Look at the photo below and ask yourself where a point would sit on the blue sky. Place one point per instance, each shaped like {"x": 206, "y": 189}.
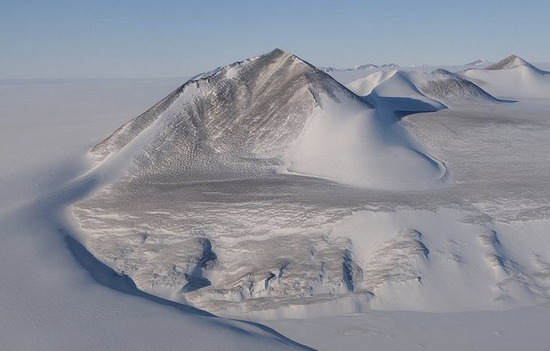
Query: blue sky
{"x": 146, "y": 38}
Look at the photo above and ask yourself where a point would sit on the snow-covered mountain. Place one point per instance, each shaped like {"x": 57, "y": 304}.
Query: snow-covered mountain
{"x": 346, "y": 75}
{"x": 363, "y": 67}
{"x": 272, "y": 113}
{"x": 513, "y": 78}
{"x": 477, "y": 62}
{"x": 510, "y": 62}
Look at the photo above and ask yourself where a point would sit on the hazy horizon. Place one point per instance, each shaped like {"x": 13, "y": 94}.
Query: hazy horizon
{"x": 140, "y": 39}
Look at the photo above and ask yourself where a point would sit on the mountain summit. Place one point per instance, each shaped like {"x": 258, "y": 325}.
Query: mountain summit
{"x": 509, "y": 62}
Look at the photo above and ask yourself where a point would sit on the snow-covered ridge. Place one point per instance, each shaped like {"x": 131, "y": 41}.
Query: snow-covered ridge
{"x": 477, "y": 62}
{"x": 363, "y": 67}
{"x": 418, "y": 91}
{"x": 450, "y": 87}
{"x": 509, "y": 62}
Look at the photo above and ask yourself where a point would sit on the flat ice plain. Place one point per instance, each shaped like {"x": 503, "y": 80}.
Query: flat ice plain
{"x": 459, "y": 262}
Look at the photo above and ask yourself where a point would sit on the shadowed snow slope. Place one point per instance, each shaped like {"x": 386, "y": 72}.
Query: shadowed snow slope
{"x": 513, "y": 78}
{"x": 271, "y": 113}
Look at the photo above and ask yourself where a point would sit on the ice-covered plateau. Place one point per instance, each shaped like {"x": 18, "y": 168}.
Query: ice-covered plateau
{"x": 268, "y": 187}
